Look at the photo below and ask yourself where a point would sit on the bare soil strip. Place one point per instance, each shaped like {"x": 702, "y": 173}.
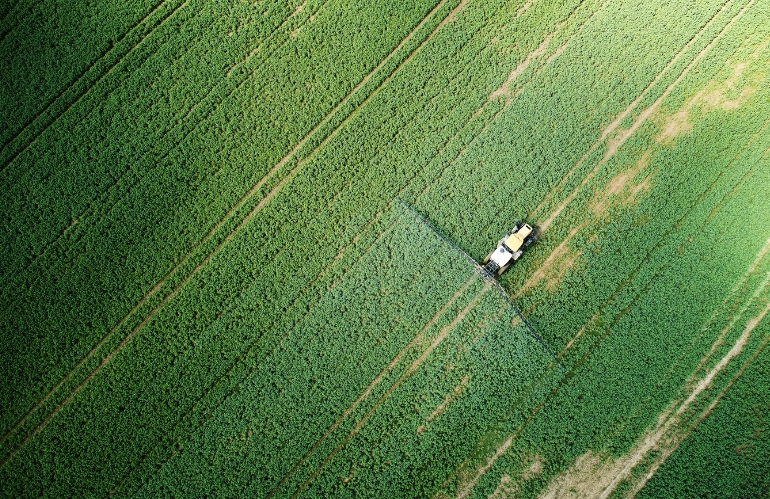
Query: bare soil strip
{"x": 412, "y": 368}
{"x": 613, "y": 126}
{"x": 456, "y": 392}
{"x": 597, "y": 475}
{"x": 504, "y": 91}
{"x": 722, "y": 306}
{"x": 589, "y": 461}
{"x": 622, "y": 136}
{"x": 665, "y": 437}
{"x": 85, "y": 91}
{"x": 466, "y": 489}
{"x": 674, "y": 443}
{"x": 240, "y": 203}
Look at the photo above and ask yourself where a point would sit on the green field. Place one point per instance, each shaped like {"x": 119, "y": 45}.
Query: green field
{"x": 212, "y": 284}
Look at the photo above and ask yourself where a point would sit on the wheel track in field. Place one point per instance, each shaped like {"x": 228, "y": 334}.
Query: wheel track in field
{"x": 157, "y": 286}
{"x": 504, "y": 91}
{"x": 738, "y": 285}
{"x": 613, "y": 126}
{"x": 537, "y": 276}
{"x": 536, "y": 410}
{"x": 625, "y": 134}
{"x": 91, "y": 210}
{"x": 621, "y": 286}
{"x": 447, "y": 142}
{"x": 658, "y": 462}
{"x": 668, "y": 232}
{"x": 244, "y": 355}
{"x": 232, "y": 210}
{"x": 79, "y": 94}
{"x": 603, "y": 481}
{"x": 673, "y": 416}
{"x": 301, "y": 162}
{"x": 413, "y": 367}
{"x": 732, "y": 320}
{"x": 393, "y": 363}
{"x": 253, "y": 52}
{"x": 377, "y": 380}
{"x": 211, "y": 232}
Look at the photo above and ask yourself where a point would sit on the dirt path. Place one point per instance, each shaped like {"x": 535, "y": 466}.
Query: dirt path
{"x": 614, "y": 125}
{"x": 597, "y": 475}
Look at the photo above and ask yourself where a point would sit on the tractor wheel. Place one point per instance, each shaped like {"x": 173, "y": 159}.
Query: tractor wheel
{"x": 489, "y": 256}
{"x": 503, "y": 268}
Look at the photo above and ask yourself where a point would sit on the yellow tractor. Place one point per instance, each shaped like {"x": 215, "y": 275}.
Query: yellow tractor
{"x": 509, "y": 249}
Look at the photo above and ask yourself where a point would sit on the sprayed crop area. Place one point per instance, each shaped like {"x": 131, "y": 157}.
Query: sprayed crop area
{"x": 216, "y": 280}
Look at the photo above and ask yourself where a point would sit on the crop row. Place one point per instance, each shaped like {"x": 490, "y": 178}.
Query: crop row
{"x": 605, "y": 402}
{"x": 170, "y": 222}
{"x": 260, "y": 284}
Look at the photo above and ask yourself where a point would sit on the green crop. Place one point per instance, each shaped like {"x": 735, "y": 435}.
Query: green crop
{"x": 209, "y": 285}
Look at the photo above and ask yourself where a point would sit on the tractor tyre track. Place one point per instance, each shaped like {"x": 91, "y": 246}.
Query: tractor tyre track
{"x": 243, "y": 356}
{"x": 393, "y": 363}
{"x": 621, "y": 286}
{"x": 409, "y": 371}
{"x": 505, "y": 94}
{"x": 230, "y": 212}
{"x": 624, "y": 135}
{"x": 613, "y": 126}
{"x": 79, "y": 94}
{"x": 91, "y": 210}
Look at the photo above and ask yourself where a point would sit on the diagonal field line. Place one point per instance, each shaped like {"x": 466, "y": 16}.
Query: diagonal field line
{"x": 503, "y": 91}
{"x": 617, "y": 291}
{"x": 516, "y": 73}
{"x": 85, "y": 91}
{"x": 612, "y": 127}
{"x": 243, "y": 200}
{"x": 410, "y": 370}
{"x": 664, "y": 427}
{"x": 706, "y": 412}
{"x": 137, "y": 179}
{"x": 751, "y": 269}
{"x": 700, "y": 55}
{"x": 625, "y": 134}
{"x": 375, "y": 382}
{"x": 255, "y": 343}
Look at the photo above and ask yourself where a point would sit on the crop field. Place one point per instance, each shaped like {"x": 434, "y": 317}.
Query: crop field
{"x": 238, "y": 243}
